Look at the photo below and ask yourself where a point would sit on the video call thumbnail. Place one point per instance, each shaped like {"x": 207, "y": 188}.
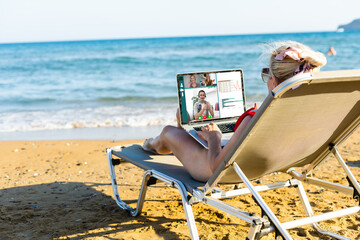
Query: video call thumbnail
{"x": 206, "y": 96}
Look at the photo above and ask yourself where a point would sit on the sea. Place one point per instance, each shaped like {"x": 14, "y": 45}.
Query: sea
{"x": 126, "y": 88}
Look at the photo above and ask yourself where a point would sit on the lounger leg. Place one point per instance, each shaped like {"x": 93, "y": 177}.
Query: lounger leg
{"x": 309, "y": 212}
{"x": 120, "y": 203}
{"x": 185, "y": 201}
{"x": 256, "y": 228}
{"x": 351, "y": 177}
{"x": 148, "y": 180}
{"x": 275, "y": 221}
{"x": 190, "y": 219}
{"x": 149, "y": 176}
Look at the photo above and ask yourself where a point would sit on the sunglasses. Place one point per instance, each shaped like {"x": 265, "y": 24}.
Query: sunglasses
{"x": 265, "y": 74}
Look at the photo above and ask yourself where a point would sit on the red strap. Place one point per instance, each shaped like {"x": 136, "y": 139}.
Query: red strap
{"x": 250, "y": 112}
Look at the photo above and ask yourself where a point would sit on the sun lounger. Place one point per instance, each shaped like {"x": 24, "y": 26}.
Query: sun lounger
{"x": 298, "y": 125}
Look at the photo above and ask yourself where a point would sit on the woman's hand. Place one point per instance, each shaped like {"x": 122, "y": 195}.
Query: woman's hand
{"x": 210, "y": 131}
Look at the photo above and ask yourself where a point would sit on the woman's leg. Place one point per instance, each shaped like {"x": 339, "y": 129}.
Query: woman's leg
{"x": 190, "y": 153}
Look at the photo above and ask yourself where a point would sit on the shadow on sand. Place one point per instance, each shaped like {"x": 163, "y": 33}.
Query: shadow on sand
{"x": 353, "y": 163}
{"x": 74, "y": 209}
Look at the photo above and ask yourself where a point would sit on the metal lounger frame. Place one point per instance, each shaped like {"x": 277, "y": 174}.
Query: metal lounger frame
{"x": 259, "y": 226}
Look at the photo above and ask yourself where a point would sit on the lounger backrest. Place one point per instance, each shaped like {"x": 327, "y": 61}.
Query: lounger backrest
{"x": 295, "y": 125}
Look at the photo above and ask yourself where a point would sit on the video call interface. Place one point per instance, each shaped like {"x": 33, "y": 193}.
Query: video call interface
{"x": 213, "y": 95}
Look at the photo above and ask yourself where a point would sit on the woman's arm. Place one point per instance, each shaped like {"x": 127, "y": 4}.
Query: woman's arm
{"x": 212, "y": 135}
{"x": 221, "y": 155}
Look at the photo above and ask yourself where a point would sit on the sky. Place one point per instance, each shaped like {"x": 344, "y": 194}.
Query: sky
{"x": 64, "y": 20}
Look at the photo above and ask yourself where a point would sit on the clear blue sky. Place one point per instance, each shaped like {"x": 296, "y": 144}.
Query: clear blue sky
{"x": 57, "y": 20}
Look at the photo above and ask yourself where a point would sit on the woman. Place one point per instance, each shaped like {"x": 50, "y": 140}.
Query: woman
{"x": 202, "y": 108}
{"x": 192, "y": 83}
{"x": 208, "y": 81}
{"x": 287, "y": 59}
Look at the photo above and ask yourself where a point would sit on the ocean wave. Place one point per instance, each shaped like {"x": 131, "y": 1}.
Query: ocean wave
{"x": 138, "y": 99}
{"x": 139, "y": 115}
{"x": 25, "y": 101}
{"x": 117, "y": 116}
{"x": 60, "y": 63}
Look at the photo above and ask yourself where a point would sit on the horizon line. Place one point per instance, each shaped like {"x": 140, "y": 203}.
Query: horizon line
{"x": 158, "y": 37}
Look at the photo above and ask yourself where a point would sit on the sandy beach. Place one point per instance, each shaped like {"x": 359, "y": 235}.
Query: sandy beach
{"x": 61, "y": 190}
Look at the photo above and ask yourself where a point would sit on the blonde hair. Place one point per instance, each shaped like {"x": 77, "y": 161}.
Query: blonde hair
{"x": 285, "y": 68}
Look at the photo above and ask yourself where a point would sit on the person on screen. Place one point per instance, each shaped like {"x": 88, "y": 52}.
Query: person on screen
{"x": 208, "y": 81}
{"x": 202, "y": 108}
{"x": 286, "y": 60}
{"x": 192, "y": 83}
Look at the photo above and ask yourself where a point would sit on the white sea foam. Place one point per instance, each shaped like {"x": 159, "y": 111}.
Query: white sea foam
{"x": 116, "y": 116}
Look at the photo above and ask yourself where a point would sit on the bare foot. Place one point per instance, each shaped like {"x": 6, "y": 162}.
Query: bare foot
{"x": 147, "y": 146}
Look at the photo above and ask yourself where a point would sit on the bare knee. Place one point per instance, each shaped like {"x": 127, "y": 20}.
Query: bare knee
{"x": 166, "y": 129}
{"x": 161, "y": 142}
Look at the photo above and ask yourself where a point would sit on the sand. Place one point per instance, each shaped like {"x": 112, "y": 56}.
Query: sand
{"x": 62, "y": 190}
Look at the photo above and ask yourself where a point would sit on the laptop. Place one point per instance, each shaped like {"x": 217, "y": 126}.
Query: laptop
{"x": 216, "y": 96}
